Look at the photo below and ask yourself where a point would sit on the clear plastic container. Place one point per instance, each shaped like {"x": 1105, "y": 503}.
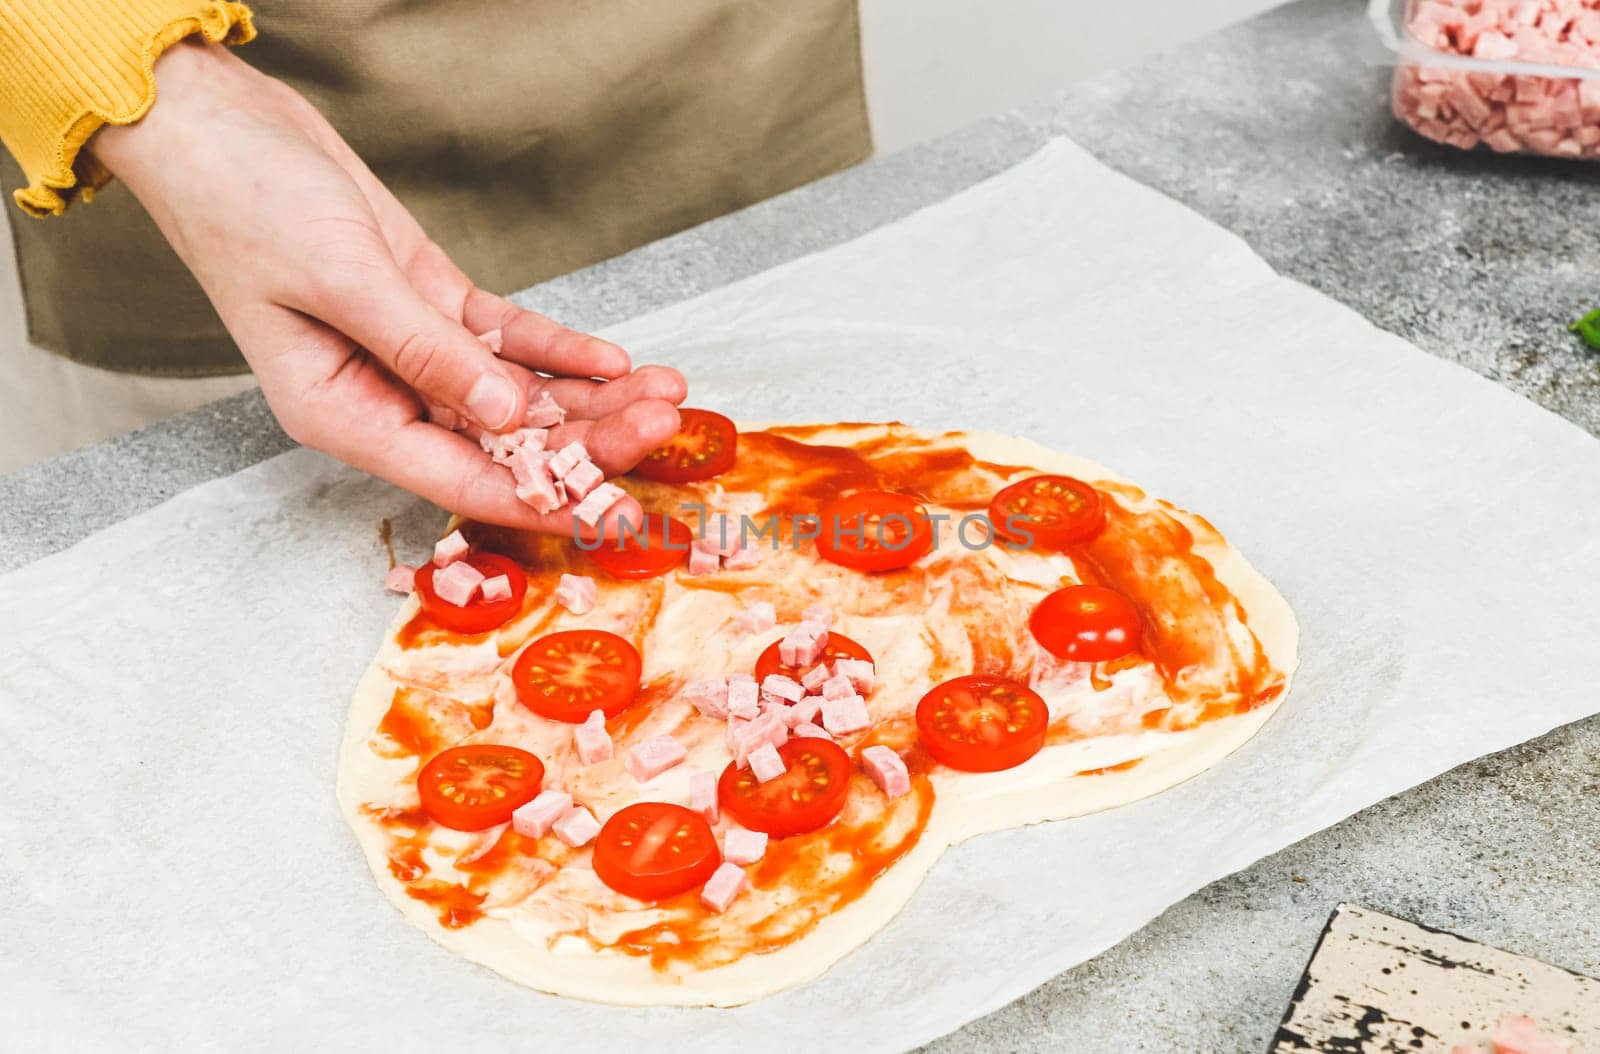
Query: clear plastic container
{"x": 1517, "y": 76}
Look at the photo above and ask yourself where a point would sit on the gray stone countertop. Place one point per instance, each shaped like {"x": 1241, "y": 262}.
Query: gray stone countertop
{"x": 1278, "y": 129}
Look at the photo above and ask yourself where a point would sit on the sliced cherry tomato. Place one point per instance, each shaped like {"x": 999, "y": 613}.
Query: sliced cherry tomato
{"x": 810, "y": 792}
{"x": 662, "y": 545}
{"x": 1086, "y": 624}
{"x": 874, "y": 530}
{"x": 838, "y": 647}
{"x": 478, "y": 615}
{"x": 653, "y": 850}
{"x": 705, "y": 446}
{"x": 982, "y": 724}
{"x": 566, "y": 675}
{"x": 1057, "y": 511}
{"x": 472, "y": 787}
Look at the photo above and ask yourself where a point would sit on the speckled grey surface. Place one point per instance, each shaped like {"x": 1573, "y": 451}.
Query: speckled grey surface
{"x": 1278, "y": 129}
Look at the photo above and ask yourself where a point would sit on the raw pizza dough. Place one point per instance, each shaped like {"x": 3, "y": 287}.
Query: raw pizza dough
{"x": 526, "y": 942}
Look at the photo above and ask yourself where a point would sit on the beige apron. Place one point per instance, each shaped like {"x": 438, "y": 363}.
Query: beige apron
{"x": 530, "y": 138}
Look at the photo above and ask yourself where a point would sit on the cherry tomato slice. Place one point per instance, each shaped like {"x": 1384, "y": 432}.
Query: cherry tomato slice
{"x": 838, "y": 647}
{"x": 653, "y": 850}
{"x": 659, "y": 547}
{"x": 810, "y": 792}
{"x": 981, "y": 723}
{"x": 705, "y": 446}
{"x": 473, "y": 787}
{"x": 478, "y": 615}
{"x": 874, "y": 530}
{"x": 566, "y": 675}
{"x": 1057, "y": 511}
{"x": 1086, "y": 624}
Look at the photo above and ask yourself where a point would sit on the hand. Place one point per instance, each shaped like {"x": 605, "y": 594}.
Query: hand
{"x": 352, "y": 319}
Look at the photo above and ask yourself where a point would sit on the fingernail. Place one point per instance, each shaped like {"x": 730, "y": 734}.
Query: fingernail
{"x": 492, "y": 401}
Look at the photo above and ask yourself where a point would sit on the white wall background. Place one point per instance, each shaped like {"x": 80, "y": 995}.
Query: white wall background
{"x": 936, "y": 65}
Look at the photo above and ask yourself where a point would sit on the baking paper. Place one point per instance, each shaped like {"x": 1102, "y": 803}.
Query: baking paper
{"x": 174, "y": 872}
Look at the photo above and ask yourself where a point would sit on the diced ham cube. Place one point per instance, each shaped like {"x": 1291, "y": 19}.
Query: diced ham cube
{"x": 567, "y": 459}
{"x": 838, "y": 686}
{"x": 577, "y": 593}
{"x": 742, "y": 559}
{"x": 725, "y": 883}
{"x": 457, "y": 583}
{"x": 887, "y": 770}
{"x": 810, "y": 731}
{"x": 860, "y": 672}
{"x": 543, "y": 412}
{"x": 1521, "y": 1035}
{"x": 703, "y": 796}
{"x": 746, "y": 736}
{"x": 843, "y": 716}
{"x": 496, "y": 588}
{"x": 494, "y": 340}
{"x": 765, "y": 764}
{"x": 449, "y": 549}
{"x": 789, "y": 715}
{"x": 702, "y": 559}
{"x": 537, "y": 817}
{"x": 591, "y": 508}
{"x": 708, "y": 697}
{"x": 803, "y": 645}
{"x": 655, "y": 756}
{"x": 744, "y": 699}
{"x": 785, "y": 688}
{"x": 743, "y": 847}
{"x": 821, "y": 614}
{"x": 758, "y": 617}
{"x": 722, "y": 534}
{"x": 402, "y": 578}
{"x": 577, "y": 827}
{"x": 807, "y": 709}
{"x": 581, "y": 481}
{"x": 814, "y": 677}
{"x": 530, "y": 468}
{"x": 592, "y": 739}
{"x": 1494, "y": 45}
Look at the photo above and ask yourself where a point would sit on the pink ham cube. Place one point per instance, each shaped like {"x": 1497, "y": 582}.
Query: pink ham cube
{"x": 758, "y": 617}
{"x": 577, "y": 827}
{"x": 702, "y": 559}
{"x": 530, "y": 469}
{"x": 860, "y": 672}
{"x": 725, "y": 883}
{"x": 781, "y": 687}
{"x": 744, "y": 698}
{"x": 843, "y": 716}
{"x": 496, "y": 588}
{"x": 887, "y": 770}
{"x": 582, "y": 480}
{"x": 742, "y": 559}
{"x": 746, "y": 736}
{"x": 494, "y": 340}
{"x": 765, "y": 764}
{"x": 814, "y": 677}
{"x": 838, "y": 687}
{"x": 591, "y": 508}
{"x": 807, "y": 709}
{"x": 708, "y": 697}
{"x": 743, "y": 847}
{"x": 537, "y": 817}
{"x": 803, "y": 645}
{"x": 789, "y": 715}
{"x": 567, "y": 459}
{"x": 810, "y": 731}
{"x": 655, "y": 756}
{"x": 458, "y": 583}
{"x": 449, "y": 549}
{"x": 592, "y": 740}
{"x": 402, "y": 578}
{"x": 543, "y": 412}
{"x": 577, "y": 593}
{"x": 703, "y": 796}
{"x": 721, "y": 534}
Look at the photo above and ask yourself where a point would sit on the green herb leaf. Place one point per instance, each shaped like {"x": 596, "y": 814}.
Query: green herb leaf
{"x": 1588, "y": 327}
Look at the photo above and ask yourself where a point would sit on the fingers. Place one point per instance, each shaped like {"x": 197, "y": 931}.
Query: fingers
{"x": 375, "y": 305}
{"x": 618, "y": 441}
{"x": 595, "y": 399}
{"x": 541, "y": 343}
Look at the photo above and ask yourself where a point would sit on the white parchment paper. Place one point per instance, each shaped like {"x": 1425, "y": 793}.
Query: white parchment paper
{"x": 174, "y": 873}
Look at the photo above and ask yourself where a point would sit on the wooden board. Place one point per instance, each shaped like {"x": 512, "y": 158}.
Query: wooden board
{"x": 1377, "y": 983}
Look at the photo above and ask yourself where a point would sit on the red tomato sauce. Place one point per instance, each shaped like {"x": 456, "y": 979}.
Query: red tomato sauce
{"x": 1148, "y": 554}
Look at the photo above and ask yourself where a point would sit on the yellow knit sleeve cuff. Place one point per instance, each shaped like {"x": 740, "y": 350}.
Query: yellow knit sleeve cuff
{"x": 67, "y": 67}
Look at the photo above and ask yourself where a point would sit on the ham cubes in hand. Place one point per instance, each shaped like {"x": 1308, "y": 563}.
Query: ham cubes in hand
{"x": 449, "y": 549}
{"x": 723, "y": 886}
{"x": 591, "y": 508}
{"x": 743, "y": 847}
{"x": 543, "y": 412}
{"x": 655, "y": 756}
{"x": 582, "y": 480}
{"x": 577, "y": 827}
{"x": 537, "y": 817}
{"x": 887, "y": 770}
{"x": 592, "y": 740}
{"x": 577, "y": 593}
{"x": 457, "y": 583}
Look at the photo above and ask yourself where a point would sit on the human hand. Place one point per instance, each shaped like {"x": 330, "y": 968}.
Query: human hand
{"x": 351, "y": 317}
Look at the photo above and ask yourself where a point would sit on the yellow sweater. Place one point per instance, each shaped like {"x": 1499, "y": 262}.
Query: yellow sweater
{"x": 67, "y": 67}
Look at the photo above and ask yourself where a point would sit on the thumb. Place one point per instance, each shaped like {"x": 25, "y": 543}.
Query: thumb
{"x": 434, "y": 354}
